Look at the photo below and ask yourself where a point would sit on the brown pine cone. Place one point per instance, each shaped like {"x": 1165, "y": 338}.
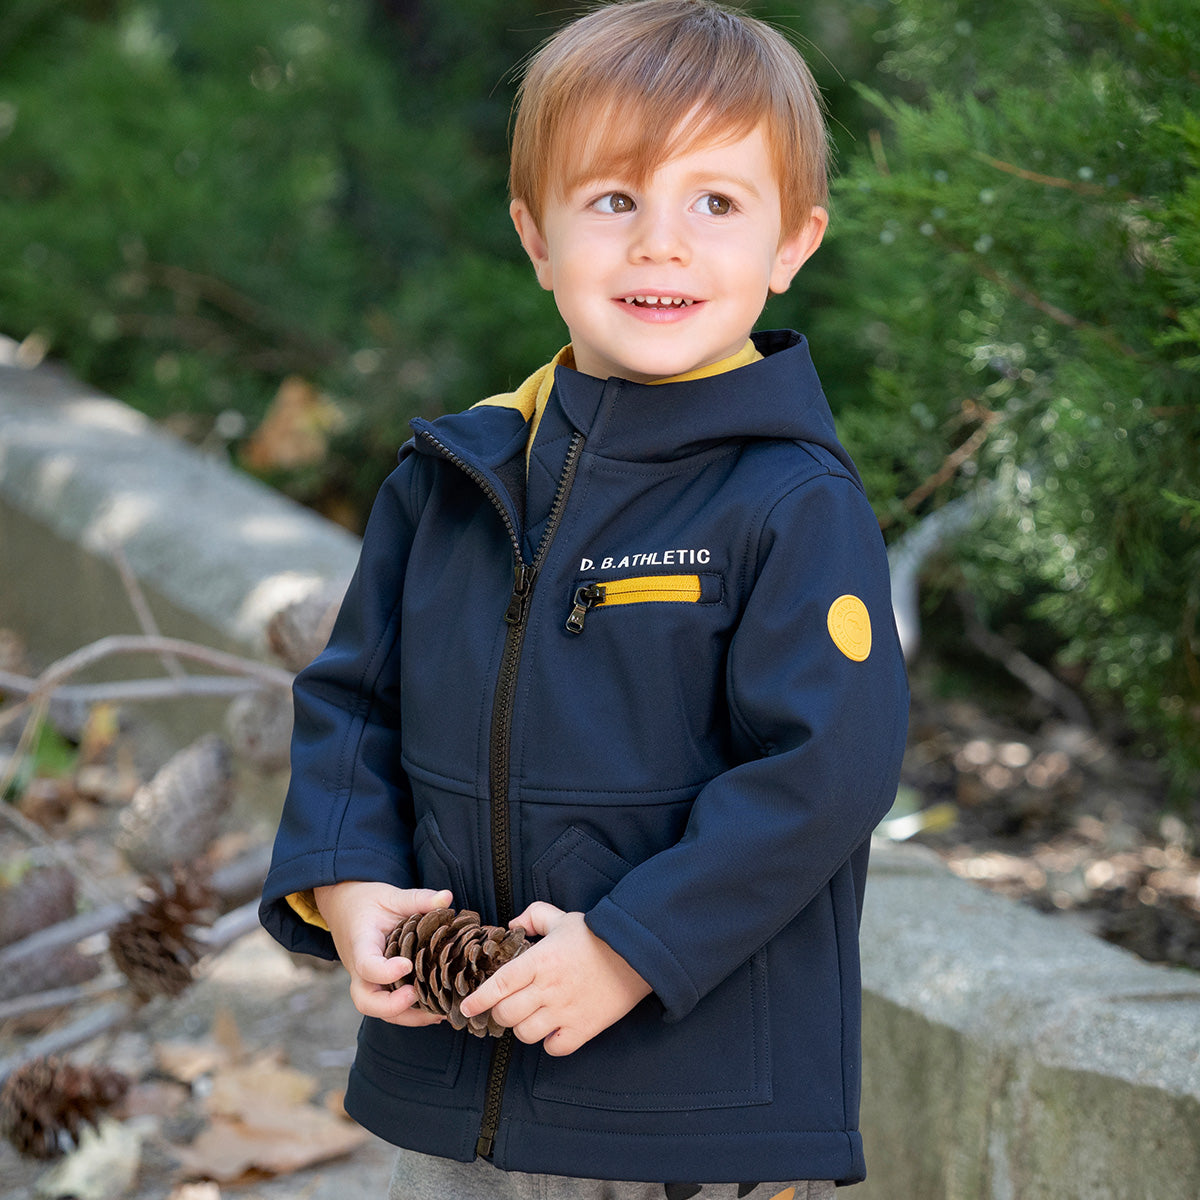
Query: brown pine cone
{"x": 46, "y": 1103}
{"x": 452, "y": 954}
{"x": 174, "y": 817}
{"x": 43, "y": 896}
{"x": 153, "y": 947}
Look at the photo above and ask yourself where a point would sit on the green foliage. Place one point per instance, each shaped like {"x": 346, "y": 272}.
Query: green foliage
{"x": 1022, "y": 246}
{"x": 201, "y": 197}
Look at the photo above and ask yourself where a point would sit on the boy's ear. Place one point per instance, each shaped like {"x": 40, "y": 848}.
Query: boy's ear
{"x": 534, "y": 243}
{"x": 795, "y": 250}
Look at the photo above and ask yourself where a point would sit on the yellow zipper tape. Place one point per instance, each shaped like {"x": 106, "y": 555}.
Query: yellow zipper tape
{"x": 646, "y": 589}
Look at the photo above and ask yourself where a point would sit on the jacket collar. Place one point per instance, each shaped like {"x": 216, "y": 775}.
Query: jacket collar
{"x": 776, "y": 398}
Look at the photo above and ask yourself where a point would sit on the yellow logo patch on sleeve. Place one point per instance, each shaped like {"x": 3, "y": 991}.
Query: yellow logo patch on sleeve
{"x": 850, "y": 627}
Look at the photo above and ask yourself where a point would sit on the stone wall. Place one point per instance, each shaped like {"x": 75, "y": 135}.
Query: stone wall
{"x": 1008, "y": 1056}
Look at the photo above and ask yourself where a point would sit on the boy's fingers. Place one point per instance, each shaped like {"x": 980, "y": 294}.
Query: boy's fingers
{"x": 510, "y": 978}
{"x": 374, "y": 968}
{"x": 539, "y": 918}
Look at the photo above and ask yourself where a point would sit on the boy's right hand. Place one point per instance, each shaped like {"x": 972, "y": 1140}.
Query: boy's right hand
{"x": 360, "y": 916}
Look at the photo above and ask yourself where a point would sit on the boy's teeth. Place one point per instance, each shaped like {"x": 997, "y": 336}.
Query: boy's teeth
{"x": 658, "y": 301}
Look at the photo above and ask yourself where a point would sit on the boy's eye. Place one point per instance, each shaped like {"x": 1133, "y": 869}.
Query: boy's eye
{"x": 714, "y": 206}
{"x": 614, "y": 202}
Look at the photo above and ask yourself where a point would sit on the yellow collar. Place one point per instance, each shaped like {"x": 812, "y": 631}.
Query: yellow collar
{"x": 530, "y": 398}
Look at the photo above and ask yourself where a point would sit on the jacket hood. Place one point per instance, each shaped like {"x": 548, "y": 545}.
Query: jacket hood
{"x": 777, "y": 398}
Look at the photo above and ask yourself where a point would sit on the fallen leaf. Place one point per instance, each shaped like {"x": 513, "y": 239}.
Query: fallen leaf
{"x": 226, "y": 1034}
{"x": 298, "y": 1137}
{"x": 155, "y": 1098}
{"x": 100, "y": 732}
{"x": 189, "y": 1061}
{"x": 206, "y": 1190}
{"x": 258, "y": 1090}
{"x": 104, "y": 1167}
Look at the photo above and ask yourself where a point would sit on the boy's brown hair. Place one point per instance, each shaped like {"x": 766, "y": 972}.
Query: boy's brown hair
{"x": 628, "y": 86}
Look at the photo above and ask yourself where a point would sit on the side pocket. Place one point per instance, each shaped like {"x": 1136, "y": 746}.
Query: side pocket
{"x": 643, "y": 1063}
{"x": 437, "y": 866}
{"x": 430, "y": 1054}
{"x": 577, "y": 872}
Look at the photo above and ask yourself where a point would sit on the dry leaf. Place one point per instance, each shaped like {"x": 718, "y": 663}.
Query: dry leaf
{"x": 295, "y": 431}
{"x": 257, "y": 1091}
{"x": 107, "y": 785}
{"x": 226, "y": 1034}
{"x": 104, "y": 1167}
{"x": 100, "y": 732}
{"x": 300, "y": 1137}
{"x": 196, "y": 1191}
{"x": 155, "y": 1098}
{"x": 189, "y": 1061}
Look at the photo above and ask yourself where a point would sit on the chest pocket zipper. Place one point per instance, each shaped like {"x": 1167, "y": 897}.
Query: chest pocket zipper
{"x": 642, "y": 589}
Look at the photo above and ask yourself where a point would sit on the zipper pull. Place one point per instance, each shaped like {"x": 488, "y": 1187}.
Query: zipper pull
{"x": 518, "y": 602}
{"x": 586, "y": 598}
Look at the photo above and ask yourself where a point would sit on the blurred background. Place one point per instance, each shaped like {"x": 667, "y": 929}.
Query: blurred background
{"x": 281, "y": 230}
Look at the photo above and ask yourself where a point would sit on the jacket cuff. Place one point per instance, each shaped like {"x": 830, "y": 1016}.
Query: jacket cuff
{"x": 647, "y": 955}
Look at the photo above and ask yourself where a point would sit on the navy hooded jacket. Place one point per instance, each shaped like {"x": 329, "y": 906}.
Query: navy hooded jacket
{"x": 655, "y": 681}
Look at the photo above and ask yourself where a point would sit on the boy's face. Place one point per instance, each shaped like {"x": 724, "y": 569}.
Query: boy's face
{"x": 661, "y": 279}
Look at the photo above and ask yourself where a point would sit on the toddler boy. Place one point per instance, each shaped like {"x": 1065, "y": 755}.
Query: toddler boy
{"x": 618, "y": 666}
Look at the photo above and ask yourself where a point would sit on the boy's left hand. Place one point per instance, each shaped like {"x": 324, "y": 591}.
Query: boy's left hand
{"x": 564, "y": 989}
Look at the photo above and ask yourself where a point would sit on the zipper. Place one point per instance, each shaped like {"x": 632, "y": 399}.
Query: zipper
{"x": 500, "y": 738}
{"x": 642, "y": 589}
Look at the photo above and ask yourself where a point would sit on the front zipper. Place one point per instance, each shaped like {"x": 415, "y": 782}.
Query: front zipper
{"x": 516, "y": 616}
{"x": 641, "y": 589}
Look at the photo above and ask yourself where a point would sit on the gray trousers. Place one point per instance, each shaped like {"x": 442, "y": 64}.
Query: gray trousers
{"x": 422, "y": 1177}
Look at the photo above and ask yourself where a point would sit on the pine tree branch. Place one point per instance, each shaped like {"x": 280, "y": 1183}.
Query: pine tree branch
{"x": 1074, "y": 185}
{"x": 1027, "y": 296}
{"x": 950, "y": 466}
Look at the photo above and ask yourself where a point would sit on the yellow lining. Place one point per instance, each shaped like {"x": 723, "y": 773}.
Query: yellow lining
{"x": 304, "y": 904}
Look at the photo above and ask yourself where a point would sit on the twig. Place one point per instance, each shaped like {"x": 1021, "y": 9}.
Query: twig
{"x": 54, "y": 675}
{"x": 141, "y": 607}
{"x": 1073, "y": 185}
{"x": 950, "y": 465}
{"x": 23, "y": 1006}
{"x": 120, "y": 644}
{"x": 1035, "y": 677}
{"x": 229, "y": 928}
{"x": 243, "y": 876}
{"x": 1027, "y": 296}
{"x": 101, "y": 1020}
{"x": 134, "y": 690}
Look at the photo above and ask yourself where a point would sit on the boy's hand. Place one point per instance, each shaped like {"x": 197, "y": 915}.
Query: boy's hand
{"x": 360, "y": 916}
{"x": 564, "y": 989}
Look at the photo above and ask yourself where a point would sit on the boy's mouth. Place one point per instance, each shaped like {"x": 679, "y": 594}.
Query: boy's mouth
{"x": 659, "y": 302}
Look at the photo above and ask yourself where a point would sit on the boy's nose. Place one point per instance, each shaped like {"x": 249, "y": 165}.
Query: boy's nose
{"x": 659, "y": 237}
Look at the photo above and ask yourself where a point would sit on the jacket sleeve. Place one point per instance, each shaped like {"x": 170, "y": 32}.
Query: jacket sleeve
{"x": 820, "y": 726}
{"x": 348, "y": 810}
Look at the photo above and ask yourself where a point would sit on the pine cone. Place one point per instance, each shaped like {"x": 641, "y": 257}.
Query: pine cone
{"x": 259, "y": 725}
{"x": 452, "y": 954}
{"x": 46, "y": 1103}
{"x": 43, "y": 896}
{"x": 153, "y": 947}
{"x": 297, "y": 633}
{"x": 174, "y": 817}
